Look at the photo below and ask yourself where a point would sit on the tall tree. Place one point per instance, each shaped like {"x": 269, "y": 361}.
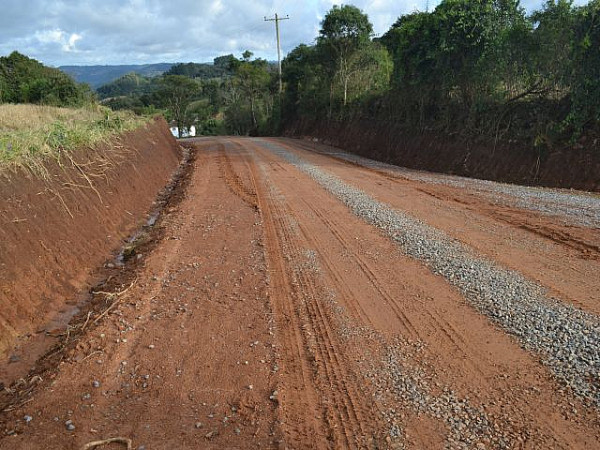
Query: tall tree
{"x": 176, "y": 92}
{"x": 250, "y": 91}
{"x": 343, "y": 31}
{"x": 585, "y": 110}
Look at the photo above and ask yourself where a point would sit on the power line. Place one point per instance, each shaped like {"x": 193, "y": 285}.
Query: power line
{"x": 278, "y": 19}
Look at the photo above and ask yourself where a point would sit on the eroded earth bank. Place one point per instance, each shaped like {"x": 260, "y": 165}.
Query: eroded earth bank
{"x": 300, "y": 297}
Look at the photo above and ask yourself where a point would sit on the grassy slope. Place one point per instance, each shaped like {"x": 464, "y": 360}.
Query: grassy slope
{"x": 29, "y": 134}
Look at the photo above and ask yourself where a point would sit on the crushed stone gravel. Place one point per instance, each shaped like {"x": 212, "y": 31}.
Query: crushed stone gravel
{"x": 566, "y": 338}
{"x": 571, "y": 207}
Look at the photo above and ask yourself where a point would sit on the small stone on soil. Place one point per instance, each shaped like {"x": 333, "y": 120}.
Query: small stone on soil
{"x": 211, "y": 434}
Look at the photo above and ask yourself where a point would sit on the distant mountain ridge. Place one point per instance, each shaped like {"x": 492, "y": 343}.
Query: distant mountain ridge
{"x": 97, "y": 76}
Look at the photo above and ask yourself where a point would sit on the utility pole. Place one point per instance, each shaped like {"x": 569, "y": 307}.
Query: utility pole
{"x": 277, "y": 19}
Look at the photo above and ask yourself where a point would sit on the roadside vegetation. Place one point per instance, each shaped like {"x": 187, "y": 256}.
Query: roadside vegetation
{"x": 25, "y": 80}
{"x": 478, "y": 70}
{"x": 481, "y": 72}
{"x": 32, "y": 134}
{"x": 231, "y": 96}
{"x": 46, "y": 114}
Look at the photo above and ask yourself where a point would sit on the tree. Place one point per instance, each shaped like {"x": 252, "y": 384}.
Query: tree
{"x": 224, "y": 62}
{"x": 343, "y": 31}
{"x": 25, "y": 80}
{"x": 198, "y": 70}
{"x": 176, "y": 92}
{"x": 368, "y": 73}
{"x": 128, "y": 84}
{"x": 585, "y": 109}
{"x": 553, "y": 36}
{"x": 306, "y": 86}
{"x": 250, "y": 94}
{"x": 414, "y": 42}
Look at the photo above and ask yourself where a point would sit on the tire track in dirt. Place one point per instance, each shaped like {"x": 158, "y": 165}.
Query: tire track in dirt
{"x": 408, "y": 328}
{"x": 233, "y": 181}
{"x": 410, "y": 331}
{"x": 297, "y": 397}
{"x": 343, "y": 422}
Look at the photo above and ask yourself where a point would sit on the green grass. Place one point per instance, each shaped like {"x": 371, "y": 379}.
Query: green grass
{"x": 32, "y": 134}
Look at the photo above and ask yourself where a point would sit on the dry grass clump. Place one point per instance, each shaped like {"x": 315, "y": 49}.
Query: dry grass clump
{"x": 30, "y": 134}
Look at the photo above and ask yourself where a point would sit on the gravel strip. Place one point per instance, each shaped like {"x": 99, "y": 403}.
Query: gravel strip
{"x": 395, "y": 372}
{"x": 576, "y": 208}
{"x": 567, "y": 339}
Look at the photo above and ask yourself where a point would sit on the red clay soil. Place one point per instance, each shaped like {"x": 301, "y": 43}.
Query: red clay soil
{"x": 515, "y": 162}
{"x": 58, "y": 228}
{"x": 267, "y": 315}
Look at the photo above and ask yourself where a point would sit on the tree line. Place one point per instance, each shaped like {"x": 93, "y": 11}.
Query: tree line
{"x": 231, "y": 96}
{"x": 478, "y": 68}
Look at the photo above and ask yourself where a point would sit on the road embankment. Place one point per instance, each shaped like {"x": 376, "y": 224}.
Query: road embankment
{"x": 511, "y": 162}
{"x": 59, "y": 226}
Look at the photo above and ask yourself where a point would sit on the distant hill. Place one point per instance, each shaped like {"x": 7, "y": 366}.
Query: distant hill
{"x": 96, "y": 76}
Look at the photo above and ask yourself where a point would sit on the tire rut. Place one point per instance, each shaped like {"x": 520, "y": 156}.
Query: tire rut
{"x": 344, "y": 406}
{"x": 233, "y": 181}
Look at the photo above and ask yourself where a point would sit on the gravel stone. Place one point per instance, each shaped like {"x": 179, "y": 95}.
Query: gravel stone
{"x": 573, "y": 207}
{"x": 566, "y": 338}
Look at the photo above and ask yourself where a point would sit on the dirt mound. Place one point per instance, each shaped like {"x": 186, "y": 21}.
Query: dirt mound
{"x": 507, "y": 162}
{"x": 57, "y": 228}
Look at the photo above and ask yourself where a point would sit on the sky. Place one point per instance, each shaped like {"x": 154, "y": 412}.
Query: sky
{"x": 89, "y": 32}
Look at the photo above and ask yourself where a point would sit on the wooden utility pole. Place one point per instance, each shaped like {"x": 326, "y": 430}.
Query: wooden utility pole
{"x": 277, "y": 19}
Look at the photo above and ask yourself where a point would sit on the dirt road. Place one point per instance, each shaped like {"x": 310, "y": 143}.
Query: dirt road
{"x": 299, "y": 297}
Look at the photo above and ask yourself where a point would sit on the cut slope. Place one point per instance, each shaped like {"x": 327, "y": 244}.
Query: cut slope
{"x": 55, "y": 230}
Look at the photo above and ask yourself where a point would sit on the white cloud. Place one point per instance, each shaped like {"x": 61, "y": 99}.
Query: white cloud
{"x": 70, "y": 45}
{"x": 65, "y": 41}
{"x": 55, "y": 36}
{"x": 143, "y": 31}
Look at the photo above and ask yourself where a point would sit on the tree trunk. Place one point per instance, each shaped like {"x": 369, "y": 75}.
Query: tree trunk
{"x": 345, "y": 90}
{"x": 253, "y": 113}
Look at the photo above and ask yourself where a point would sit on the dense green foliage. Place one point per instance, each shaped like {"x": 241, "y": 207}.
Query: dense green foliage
{"x": 249, "y": 96}
{"x": 25, "y": 80}
{"x": 129, "y": 84}
{"x": 476, "y": 68}
{"x": 232, "y": 95}
{"x": 343, "y": 69}
{"x": 195, "y": 70}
